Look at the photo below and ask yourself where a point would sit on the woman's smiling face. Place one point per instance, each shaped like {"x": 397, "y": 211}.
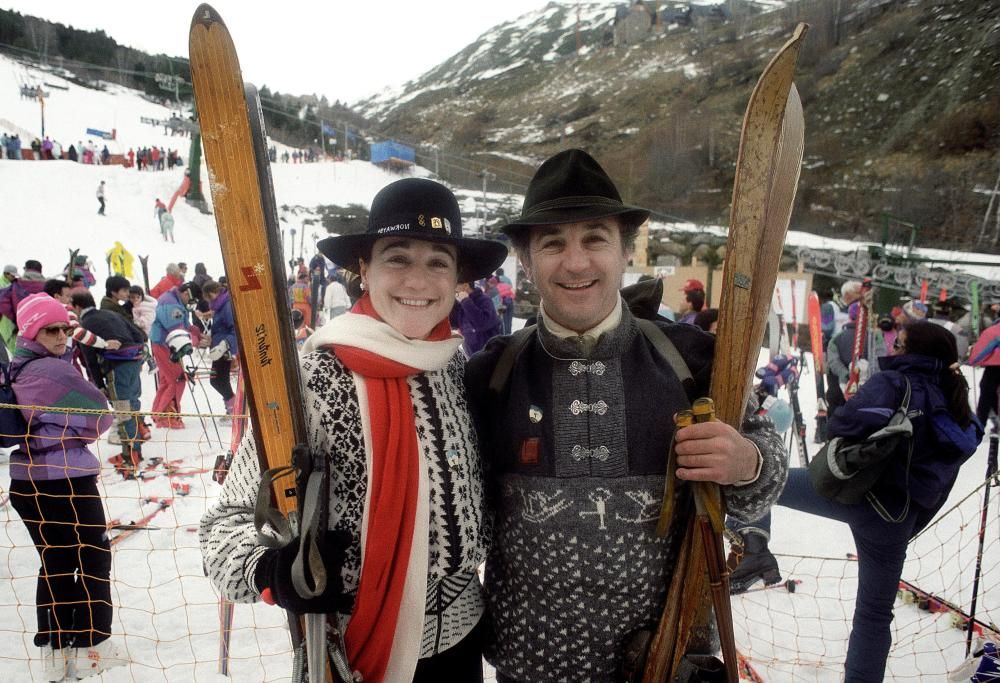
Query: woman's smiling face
{"x": 411, "y": 283}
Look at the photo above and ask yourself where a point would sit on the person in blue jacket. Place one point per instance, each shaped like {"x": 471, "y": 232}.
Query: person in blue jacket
{"x": 223, "y": 348}
{"x": 170, "y": 339}
{"x": 945, "y": 434}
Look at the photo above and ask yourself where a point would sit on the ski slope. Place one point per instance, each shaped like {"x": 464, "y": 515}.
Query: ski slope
{"x": 166, "y": 609}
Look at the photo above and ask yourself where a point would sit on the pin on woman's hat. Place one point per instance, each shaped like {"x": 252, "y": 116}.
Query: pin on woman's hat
{"x": 420, "y": 209}
{"x": 571, "y": 187}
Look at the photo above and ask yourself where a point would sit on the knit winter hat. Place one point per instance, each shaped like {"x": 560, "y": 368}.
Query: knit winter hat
{"x": 12, "y": 269}
{"x": 38, "y": 311}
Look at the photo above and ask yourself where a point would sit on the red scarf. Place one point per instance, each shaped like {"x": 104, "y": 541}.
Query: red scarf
{"x": 395, "y": 480}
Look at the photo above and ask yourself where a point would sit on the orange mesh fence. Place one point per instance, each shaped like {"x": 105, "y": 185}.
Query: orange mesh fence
{"x": 799, "y": 631}
{"x": 167, "y": 613}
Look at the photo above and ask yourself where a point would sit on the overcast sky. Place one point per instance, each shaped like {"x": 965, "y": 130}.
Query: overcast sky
{"x": 344, "y": 49}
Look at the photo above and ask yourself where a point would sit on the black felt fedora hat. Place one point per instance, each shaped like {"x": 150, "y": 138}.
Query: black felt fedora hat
{"x": 571, "y": 187}
{"x": 419, "y": 209}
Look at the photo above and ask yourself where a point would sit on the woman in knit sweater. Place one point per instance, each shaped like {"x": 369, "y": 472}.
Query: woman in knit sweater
{"x": 384, "y": 399}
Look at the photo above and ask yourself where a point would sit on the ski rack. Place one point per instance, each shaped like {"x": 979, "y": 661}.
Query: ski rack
{"x": 860, "y": 264}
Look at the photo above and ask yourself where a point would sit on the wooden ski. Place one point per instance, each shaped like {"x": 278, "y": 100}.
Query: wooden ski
{"x": 767, "y": 172}
{"x": 245, "y": 215}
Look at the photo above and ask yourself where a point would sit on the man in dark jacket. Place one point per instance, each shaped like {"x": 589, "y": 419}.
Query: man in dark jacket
{"x": 840, "y": 355}
{"x": 116, "y": 291}
{"x": 118, "y": 374}
{"x": 575, "y": 442}
{"x": 476, "y": 317}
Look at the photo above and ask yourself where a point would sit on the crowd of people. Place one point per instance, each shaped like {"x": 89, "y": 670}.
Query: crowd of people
{"x": 66, "y": 350}
{"x": 150, "y": 158}
{"x": 48, "y": 149}
{"x": 458, "y": 442}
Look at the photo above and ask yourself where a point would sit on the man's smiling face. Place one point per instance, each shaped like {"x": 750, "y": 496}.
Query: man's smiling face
{"x": 577, "y": 268}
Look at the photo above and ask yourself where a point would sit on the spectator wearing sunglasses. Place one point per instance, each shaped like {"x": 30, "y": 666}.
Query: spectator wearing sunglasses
{"x": 54, "y": 490}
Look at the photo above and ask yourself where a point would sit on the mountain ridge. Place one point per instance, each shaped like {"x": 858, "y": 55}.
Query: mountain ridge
{"x": 901, "y": 98}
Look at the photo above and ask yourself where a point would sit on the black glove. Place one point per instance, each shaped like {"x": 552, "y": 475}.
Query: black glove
{"x": 274, "y": 573}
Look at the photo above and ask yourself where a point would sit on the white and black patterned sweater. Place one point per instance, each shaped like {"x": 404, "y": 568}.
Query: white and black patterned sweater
{"x": 458, "y": 535}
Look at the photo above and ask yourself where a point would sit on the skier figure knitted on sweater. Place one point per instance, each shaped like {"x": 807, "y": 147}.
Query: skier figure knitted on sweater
{"x": 575, "y": 443}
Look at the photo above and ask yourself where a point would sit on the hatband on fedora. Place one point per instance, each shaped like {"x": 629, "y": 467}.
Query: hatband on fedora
{"x": 570, "y": 187}
{"x": 420, "y": 209}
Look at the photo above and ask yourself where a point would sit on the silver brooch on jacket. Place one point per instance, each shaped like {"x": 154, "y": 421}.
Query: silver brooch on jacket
{"x": 535, "y": 414}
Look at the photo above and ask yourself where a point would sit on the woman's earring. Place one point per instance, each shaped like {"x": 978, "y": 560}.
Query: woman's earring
{"x": 363, "y": 287}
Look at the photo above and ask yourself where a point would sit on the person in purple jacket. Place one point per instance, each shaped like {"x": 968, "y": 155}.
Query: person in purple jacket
{"x": 476, "y": 317}
{"x": 54, "y": 490}
{"x": 223, "y": 344}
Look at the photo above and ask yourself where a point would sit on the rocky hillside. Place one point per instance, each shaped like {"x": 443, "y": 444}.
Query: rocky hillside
{"x": 902, "y": 104}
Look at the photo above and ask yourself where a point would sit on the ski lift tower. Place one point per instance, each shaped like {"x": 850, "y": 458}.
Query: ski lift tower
{"x": 170, "y": 83}
{"x": 487, "y": 176}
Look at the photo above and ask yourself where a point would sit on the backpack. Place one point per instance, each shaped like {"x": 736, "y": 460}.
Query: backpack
{"x": 13, "y": 426}
{"x": 846, "y": 470}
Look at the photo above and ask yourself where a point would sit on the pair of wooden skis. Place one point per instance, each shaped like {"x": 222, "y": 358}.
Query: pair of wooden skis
{"x": 766, "y": 178}
{"x": 767, "y": 173}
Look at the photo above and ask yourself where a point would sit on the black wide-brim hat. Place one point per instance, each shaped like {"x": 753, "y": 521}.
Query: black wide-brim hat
{"x": 419, "y": 209}
{"x": 571, "y": 187}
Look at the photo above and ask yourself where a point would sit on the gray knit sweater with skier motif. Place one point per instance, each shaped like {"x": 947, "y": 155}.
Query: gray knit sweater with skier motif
{"x": 457, "y": 543}
{"x": 575, "y": 452}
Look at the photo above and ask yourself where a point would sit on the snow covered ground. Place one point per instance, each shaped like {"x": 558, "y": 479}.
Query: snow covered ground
{"x": 166, "y": 609}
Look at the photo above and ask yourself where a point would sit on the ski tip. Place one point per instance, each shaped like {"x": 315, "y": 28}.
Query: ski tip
{"x": 207, "y": 16}
{"x": 800, "y": 31}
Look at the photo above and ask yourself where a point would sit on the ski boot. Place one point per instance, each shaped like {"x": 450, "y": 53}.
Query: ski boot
{"x": 752, "y": 563}
{"x": 90, "y": 661}
{"x": 115, "y": 432}
{"x": 228, "y": 419}
{"x": 126, "y": 464}
{"x": 58, "y": 665}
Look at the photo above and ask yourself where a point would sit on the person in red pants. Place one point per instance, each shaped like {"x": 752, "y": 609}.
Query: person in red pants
{"x": 170, "y": 340}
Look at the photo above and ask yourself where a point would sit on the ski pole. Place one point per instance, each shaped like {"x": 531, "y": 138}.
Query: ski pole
{"x": 215, "y": 424}
{"x": 991, "y": 471}
{"x": 189, "y": 376}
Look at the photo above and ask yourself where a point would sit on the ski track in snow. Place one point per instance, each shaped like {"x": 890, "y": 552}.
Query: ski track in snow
{"x": 165, "y": 606}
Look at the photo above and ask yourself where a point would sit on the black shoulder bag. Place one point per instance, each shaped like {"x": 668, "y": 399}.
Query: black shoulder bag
{"x": 845, "y": 471}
